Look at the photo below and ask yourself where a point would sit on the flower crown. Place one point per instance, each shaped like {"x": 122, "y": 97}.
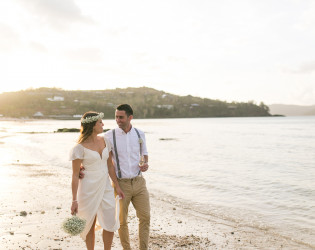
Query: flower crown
{"x": 92, "y": 118}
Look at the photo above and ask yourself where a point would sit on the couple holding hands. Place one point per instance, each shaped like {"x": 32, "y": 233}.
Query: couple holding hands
{"x": 120, "y": 154}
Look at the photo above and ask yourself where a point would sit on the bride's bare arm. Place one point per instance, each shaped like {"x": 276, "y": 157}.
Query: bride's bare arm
{"x": 112, "y": 175}
{"x": 75, "y": 183}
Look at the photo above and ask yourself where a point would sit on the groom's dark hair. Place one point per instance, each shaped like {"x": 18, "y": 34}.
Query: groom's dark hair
{"x": 125, "y": 107}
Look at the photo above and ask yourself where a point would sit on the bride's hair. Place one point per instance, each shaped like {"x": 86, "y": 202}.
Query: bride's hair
{"x": 87, "y": 128}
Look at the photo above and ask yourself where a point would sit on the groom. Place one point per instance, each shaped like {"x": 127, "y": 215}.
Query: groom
{"x": 128, "y": 143}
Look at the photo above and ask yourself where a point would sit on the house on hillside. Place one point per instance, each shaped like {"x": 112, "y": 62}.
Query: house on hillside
{"x": 194, "y": 105}
{"x": 38, "y": 115}
{"x": 166, "y": 106}
{"x": 56, "y": 99}
{"x": 232, "y": 107}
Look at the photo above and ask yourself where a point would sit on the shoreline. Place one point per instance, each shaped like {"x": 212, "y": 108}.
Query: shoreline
{"x": 44, "y": 193}
{"x": 21, "y": 119}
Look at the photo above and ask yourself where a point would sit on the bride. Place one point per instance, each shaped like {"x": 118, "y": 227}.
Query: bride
{"x": 93, "y": 196}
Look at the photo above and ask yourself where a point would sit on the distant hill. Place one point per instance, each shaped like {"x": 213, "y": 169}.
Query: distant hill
{"x": 146, "y": 102}
{"x": 291, "y": 110}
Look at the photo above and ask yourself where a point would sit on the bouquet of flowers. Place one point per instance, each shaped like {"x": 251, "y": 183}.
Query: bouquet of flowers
{"x": 73, "y": 225}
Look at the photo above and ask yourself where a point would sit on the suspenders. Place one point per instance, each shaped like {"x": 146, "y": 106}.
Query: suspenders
{"x": 116, "y": 153}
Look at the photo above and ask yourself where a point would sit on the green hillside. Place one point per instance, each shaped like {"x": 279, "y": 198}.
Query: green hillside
{"x": 146, "y": 102}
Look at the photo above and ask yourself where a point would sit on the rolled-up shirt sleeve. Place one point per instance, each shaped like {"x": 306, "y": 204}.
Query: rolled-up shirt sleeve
{"x": 144, "y": 145}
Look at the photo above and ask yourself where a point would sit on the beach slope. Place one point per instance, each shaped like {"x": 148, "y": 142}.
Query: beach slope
{"x": 35, "y": 199}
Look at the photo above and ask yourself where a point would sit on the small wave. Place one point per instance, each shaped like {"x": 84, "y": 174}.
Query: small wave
{"x": 236, "y": 217}
{"x": 25, "y": 164}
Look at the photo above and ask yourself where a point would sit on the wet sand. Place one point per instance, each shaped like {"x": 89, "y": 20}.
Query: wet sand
{"x": 34, "y": 200}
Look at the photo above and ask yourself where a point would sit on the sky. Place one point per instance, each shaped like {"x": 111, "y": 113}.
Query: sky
{"x": 230, "y": 50}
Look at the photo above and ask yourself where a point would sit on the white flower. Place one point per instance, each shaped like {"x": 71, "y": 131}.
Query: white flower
{"x": 73, "y": 225}
{"x": 92, "y": 118}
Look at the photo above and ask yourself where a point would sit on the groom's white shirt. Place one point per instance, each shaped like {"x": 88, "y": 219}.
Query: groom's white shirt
{"x": 128, "y": 149}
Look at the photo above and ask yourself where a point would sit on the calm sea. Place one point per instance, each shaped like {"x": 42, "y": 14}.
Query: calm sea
{"x": 258, "y": 172}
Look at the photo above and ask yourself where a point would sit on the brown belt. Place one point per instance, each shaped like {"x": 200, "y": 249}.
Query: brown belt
{"x": 130, "y": 179}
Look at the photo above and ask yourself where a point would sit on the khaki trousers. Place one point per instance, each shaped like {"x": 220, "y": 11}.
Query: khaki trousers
{"x": 135, "y": 191}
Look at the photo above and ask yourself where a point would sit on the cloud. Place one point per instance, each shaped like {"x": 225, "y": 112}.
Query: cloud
{"x": 56, "y": 13}
{"x": 306, "y": 21}
{"x": 38, "y": 47}
{"x": 85, "y": 55}
{"x": 9, "y": 38}
{"x": 304, "y": 95}
{"x": 116, "y": 32}
{"x": 305, "y": 68}
{"x": 176, "y": 59}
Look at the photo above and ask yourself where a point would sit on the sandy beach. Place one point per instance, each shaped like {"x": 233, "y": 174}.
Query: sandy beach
{"x": 35, "y": 199}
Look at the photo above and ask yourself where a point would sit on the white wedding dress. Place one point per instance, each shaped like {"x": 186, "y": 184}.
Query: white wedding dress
{"x": 95, "y": 192}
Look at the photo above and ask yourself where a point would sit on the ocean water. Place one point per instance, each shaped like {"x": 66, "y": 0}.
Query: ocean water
{"x": 258, "y": 172}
